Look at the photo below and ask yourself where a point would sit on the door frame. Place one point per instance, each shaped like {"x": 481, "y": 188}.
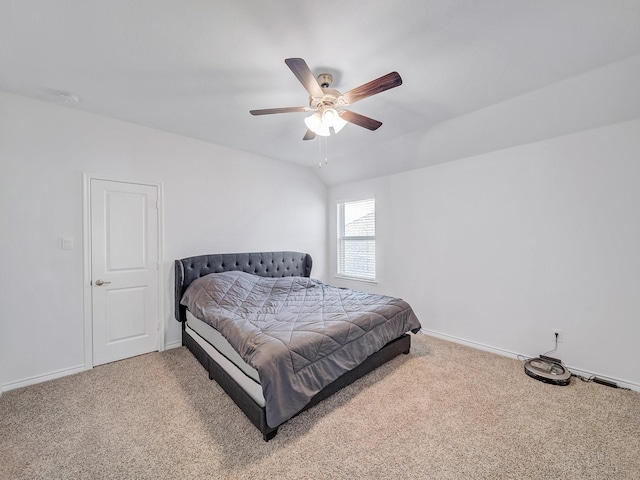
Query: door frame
{"x": 86, "y": 260}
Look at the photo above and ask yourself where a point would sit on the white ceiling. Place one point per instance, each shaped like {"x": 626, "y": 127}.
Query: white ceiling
{"x": 196, "y": 68}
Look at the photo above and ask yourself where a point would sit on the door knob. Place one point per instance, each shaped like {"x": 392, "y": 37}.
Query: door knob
{"x": 100, "y": 283}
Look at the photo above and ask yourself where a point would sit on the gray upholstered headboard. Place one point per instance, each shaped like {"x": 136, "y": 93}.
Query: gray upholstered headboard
{"x": 265, "y": 264}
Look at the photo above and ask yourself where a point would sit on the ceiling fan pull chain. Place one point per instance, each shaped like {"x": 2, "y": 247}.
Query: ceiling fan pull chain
{"x": 326, "y": 150}
{"x": 323, "y": 142}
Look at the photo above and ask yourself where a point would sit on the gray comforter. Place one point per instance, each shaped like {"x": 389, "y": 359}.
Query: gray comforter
{"x": 298, "y": 333}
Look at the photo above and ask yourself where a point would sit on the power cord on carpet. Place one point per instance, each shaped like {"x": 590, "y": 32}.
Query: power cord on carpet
{"x": 592, "y": 378}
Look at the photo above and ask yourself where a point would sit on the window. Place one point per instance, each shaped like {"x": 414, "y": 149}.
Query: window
{"x": 357, "y": 239}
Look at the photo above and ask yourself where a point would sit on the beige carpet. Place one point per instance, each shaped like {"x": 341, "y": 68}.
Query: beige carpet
{"x": 444, "y": 412}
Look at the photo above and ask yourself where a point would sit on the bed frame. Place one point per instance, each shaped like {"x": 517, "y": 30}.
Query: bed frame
{"x": 266, "y": 264}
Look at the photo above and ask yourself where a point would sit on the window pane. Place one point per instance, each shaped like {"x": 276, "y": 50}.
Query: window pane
{"x": 356, "y": 239}
{"x": 360, "y": 219}
{"x": 358, "y": 258}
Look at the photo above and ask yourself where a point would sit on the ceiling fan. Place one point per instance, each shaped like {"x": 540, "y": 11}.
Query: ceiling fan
{"x": 328, "y": 103}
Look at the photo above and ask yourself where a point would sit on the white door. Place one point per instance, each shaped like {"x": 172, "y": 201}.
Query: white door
{"x": 124, "y": 269}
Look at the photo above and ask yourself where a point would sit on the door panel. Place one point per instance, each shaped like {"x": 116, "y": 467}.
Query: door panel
{"x": 126, "y": 247}
{"x": 125, "y": 314}
{"x": 124, "y": 267}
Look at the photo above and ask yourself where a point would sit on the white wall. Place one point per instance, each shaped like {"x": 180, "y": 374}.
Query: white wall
{"x": 510, "y": 244}
{"x": 499, "y": 249}
{"x": 215, "y": 200}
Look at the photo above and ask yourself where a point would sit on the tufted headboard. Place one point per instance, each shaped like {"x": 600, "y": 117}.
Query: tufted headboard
{"x": 265, "y": 264}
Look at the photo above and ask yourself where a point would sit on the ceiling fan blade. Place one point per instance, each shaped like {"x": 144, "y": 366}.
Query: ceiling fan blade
{"x": 309, "y": 135}
{"x": 269, "y": 111}
{"x": 360, "y": 120}
{"x": 390, "y": 80}
{"x": 302, "y": 71}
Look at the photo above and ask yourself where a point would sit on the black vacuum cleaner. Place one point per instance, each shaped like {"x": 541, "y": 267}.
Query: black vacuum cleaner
{"x": 547, "y": 370}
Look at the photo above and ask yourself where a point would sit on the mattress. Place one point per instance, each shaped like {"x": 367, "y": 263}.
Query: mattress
{"x": 223, "y": 353}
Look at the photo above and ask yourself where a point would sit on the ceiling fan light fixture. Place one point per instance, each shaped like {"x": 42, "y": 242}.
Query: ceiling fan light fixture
{"x": 332, "y": 119}
{"x": 322, "y": 123}
{"x": 314, "y": 123}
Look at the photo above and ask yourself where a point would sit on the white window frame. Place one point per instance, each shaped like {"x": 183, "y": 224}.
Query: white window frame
{"x": 341, "y": 238}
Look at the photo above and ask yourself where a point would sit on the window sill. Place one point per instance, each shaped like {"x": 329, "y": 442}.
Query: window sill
{"x": 358, "y": 279}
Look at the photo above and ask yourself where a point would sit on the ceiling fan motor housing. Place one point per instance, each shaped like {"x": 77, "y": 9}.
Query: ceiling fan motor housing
{"x": 331, "y": 99}
{"x": 325, "y": 80}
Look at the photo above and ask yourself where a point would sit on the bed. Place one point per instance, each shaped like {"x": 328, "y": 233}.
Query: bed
{"x": 278, "y": 341}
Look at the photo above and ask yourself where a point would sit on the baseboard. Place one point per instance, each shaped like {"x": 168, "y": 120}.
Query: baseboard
{"x": 175, "y": 344}
{"x": 480, "y": 346}
{"x": 42, "y": 378}
{"x": 520, "y": 356}
{"x": 59, "y": 373}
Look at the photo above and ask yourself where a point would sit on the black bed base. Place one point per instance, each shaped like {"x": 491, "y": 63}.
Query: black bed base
{"x": 256, "y": 413}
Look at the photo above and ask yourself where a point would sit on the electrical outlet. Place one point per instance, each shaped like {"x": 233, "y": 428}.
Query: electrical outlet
{"x": 558, "y": 333}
